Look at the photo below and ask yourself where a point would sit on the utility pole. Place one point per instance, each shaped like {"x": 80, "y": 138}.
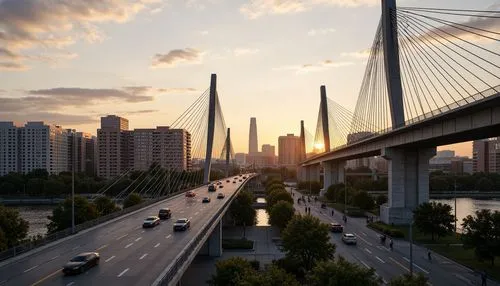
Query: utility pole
{"x": 411, "y": 247}
{"x": 455, "y": 194}
{"x": 73, "y": 184}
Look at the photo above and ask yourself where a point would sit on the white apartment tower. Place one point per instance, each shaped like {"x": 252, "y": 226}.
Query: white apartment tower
{"x": 113, "y": 146}
{"x": 8, "y": 148}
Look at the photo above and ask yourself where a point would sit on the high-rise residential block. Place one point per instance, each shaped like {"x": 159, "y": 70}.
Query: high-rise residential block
{"x": 269, "y": 152}
{"x": 9, "y": 144}
{"x": 289, "y": 150}
{"x": 480, "y": 156}
{"x": 113, "y": 146}
{"x": 253, "y": 144}
{"x": 81, "y": 148}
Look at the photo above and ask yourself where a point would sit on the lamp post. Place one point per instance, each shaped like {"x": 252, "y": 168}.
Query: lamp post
{"x": 73, "y": 184}
{"x": 455, "y": 195}
{"x": 411, "y": 247}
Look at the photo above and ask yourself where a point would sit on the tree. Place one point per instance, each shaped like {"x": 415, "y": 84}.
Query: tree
{"x": 482, "y": 233}
{"x": 241, "y": 209}
{"x": 281, "y": 213}
{"x": 363, "y": 200}
{"x": 381, "y": 199}
{"x": 434, "y": 218}
{"x": 105, "y": 205}
{"x": 61, "y": 215}
{"x": 306, "y": 239}
{"x": 485, "y": 184}
{"x": 54, "y": 187}
{"x": 132, "y": 200}
{"x": 409, "y": 280}
{"x": 230, "y": 271}
{"x": 276, "y": 196}
{"x": 13, "y": 228}
{"x": 331, "y": 192}
{"x": 273, "y": 276}
{"x": 340, "y": 273}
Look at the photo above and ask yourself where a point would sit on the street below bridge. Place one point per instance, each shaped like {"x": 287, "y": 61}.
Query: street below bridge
{"x": 129, "y": 254}
{"x": 371, "y": 253}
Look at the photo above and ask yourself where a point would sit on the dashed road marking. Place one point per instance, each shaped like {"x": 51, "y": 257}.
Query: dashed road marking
{"x": 401, "y": 265}
{"x": 367, "y": 250}
{"x": 139, "y": 238}
{"x": 168, "y": 236}
{"x": 122, "y": 236}
{"x": 196, "y": 213}
{"x": 76, "y": 247}
{"x": 129, "y": 245}
{"x": 379, "y": 259}
{"x": 364, "y": 263}
{"x": 31, "y": 268}
{"x": 158, "y": 244}
{"x": 123, "y": 272}
{"x": 49, "y": 260}
{"x": 70, "y": 283}
{"x": 143, "y": 231}
{"x": 369, "y": 243}
{"x": 364, "y": 234}
{"x": 102, "y": 247}
{"x": 142, "y": 257}
{"x": 423, "y": 270}
{"x": 109, "y": 259}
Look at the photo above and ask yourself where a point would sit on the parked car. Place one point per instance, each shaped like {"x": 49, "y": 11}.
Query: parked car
{"x": 164, "y": 213}
{"x": 349, "y": 238}
{"x": 206, "y": 200}
{"x": 151, "y": 221}
{"x": 81, "y": 263}
{"x": 244, "y": 177}
{"x": 336, "y": 227}
{"x": 234, "y": 182}
{"x": 220, "y": 196}
{"x": 211, "y": 188}
{"x": 323, "y": 206}
{"x": 182, "y": 224}
{"x": 190, "y": 194}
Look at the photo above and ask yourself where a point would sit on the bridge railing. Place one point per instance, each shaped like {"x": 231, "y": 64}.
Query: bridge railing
{"x": 38, "y": 242}
{"x": 180, "y": 260}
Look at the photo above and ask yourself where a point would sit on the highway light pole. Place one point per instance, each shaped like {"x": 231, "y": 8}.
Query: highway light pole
{"x": 455, "y": 195}
{"x": 73, "y": 184}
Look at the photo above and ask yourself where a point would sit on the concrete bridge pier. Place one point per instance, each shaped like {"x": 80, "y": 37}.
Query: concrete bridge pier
{"x": 213, "y": 246}
{"x": 313, "y": 172}
{"x": 408, "y": 182}
{"x": 333, "y": 174}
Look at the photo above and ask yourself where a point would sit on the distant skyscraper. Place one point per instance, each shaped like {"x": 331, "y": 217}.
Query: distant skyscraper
{"x": 253, "y": 144}
{"x": 113, "y": 146}
{"x": 268, "y": 151}
{"x": 289, "y": 150}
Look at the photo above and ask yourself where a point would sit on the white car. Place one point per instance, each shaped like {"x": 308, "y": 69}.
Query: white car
{"x": 349, "y": 238}
{"x": 182, "y": 224}
{"x": 151, "y": 221}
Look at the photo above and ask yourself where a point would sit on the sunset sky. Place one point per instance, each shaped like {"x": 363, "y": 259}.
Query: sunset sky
{"x": 148, "y": 60}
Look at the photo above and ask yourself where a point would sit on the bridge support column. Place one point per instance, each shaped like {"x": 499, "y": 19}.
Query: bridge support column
{"x": 333, "y": 173}
{"x": 313, "y": 173}
{"x": 408, "y": 183}
{"x": 215, "y": 241}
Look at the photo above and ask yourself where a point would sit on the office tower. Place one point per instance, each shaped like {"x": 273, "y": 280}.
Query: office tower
{"x": 269, "y": 154}
{"x": 289, "y": 150}
{"x": 253, "y": 145}
{"x": 9, "y": 144}
{"x": 480, "y": 156}
{"x": 43, "y": 147}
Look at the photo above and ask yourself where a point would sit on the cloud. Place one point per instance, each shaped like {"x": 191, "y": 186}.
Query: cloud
{"x": 204, "y": 32}
{"x": 50, "y": 117}
{"x": 7, "y": 54}
{"x": 65, "y": 94}
{"x": 318, "y": 32}
{"x": 308, "y": 68}
{"x": 174, "y": 57}
{"x": 363, "y": 54}
{"x": 245, "y": 51}
{"x": 145, "y": 111}
{"x": 12, "y": 66}
{"x": 257, "y": 8}
{"x": 176, "y": 90}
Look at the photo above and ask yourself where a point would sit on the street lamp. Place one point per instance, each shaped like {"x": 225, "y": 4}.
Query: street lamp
{"x": 73, "y": 184}
{"x": 455, "y": 195}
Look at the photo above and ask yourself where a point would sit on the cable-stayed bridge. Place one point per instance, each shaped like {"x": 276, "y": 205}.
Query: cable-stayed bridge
{"x": 432, "y": 78}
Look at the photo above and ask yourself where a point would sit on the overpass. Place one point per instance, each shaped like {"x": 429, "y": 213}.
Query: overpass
{"x": 131, "y": 255}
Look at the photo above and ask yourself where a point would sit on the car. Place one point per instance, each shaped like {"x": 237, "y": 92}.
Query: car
{"x": 211, "y": 188}
{"x": 336, "y": 227}
{"x": 81, "y": 263}
{"x": 182, "y": 224}
{"x": 228, "y": 181}
{"x": 349, "y": 238}
{"x": 151, "y": 221}
{"x": 164, "y": 213}
{"x": 221, "y": 186}
{"x": 219, "y": 182}
{"x": 234, "y": 182}
{"x": 220, "y": 196}
{"x": 244, "y": 177}
{"x": 190, "y": 194}
{"x": 205, "y": 200}
{"x": 323, "y": 206}
{"x": 241, "y": 180}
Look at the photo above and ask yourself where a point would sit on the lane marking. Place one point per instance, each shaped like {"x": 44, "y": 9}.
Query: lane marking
{"x": 463, "y": 279}
{"x": 123, "y": 272}
{"x": 364, "y": 234}
{"x": 181, "y": 212}
{"x": 143, "y": 231}
{"x": 196, "y": 213}
{"x": 366, "y": 265}
{"x": 401, "y": 265}
{"x": 109, "y": 259}
{"x": 70, "y": 283}
{"x": 137, "y": 228}
{"x": 76, "y": 247}
{"x": 49, "y": 260}
{"x": 158, "y": 244}
{"x": 58, "y": 271}
{"x": 379, "y": 259}
{"x": 191, "y": 217}
{"x": 29, "y": 269}
{"x": 129, "y": 245}
{"x": 144, "y": 255}
{"x": 414, "y": 264}
{"x": 102, "y": 247}
{"x": 137, "y": 239}
{"x": 168, "y": 236}
{"x": 369, "y": 243}
{"x": 383, "y": 248}
{"x": 122, "y": 236}
{"x": 366, "y": 249}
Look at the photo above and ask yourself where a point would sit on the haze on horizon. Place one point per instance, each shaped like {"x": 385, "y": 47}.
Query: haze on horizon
{"x": 148, "y": 60}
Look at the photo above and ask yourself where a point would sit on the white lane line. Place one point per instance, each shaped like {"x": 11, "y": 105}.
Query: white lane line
{"x": 123, "y": 272}
{"x": 143, "y": 231}
{"x": 181, "y": 212}
{"x": 364, "y": 234}
{"x": 463, "y": 279}
{"x": 191, "y": 217}
{"x": 196, "y": 213}
{"x": 139, "y": 238}
{"x": 401, "y": 265}
{"x": 379, "y": 259}
{"x": 76, "y": 247}
{"x": 49, "y": 260}
{"x": 102, "y": 246}
{"x": 414, "y": 264}
{"x": 366, "y": 265}
{"x": 366, "y": 249}
{"x": 129, "y": 245}
{"x": 158, "y": 244}
{"x": 122, "y": 236}
{"x": 168, "y": 236}
{"x": 362, "y": 239}
{"x": 142, "y": 257}
{"x": 29, "y": 269}
{"x": 70, "y": 283}
{"x": 137, "y": 228}
{"x": 383, "y": 248}
{"x": 109, "y": 259}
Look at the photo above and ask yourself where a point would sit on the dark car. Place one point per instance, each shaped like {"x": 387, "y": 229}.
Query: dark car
{"x": 336, "y": 227}
{"x": 323, "y": 206}
{"x": 234, "y": 182}
{"x": 220, "y": 196}
{"x": 81, "y": 263}
{"x": 164, "y": 213}
{"x": 182, "y": 224}
{"x": 228, "y": 181}
{"x": 151, "y": 221}
{"x": 190, "y": 194}
{"x": 211, "y": 188}
{"x": 221, "y": 186}
{"x": 206, "y": 200}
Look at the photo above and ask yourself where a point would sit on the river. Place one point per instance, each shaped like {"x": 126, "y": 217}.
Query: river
{"x": 467, "y": 206}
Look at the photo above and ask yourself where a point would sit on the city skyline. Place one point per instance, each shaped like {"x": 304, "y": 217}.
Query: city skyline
{"x": 90, "y": 67}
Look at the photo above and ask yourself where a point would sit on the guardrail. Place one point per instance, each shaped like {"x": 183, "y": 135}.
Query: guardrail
{"x": 25, "y": 247}
{"x": 188, "y": 251}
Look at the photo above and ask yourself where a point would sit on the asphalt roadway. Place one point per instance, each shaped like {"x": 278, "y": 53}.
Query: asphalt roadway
{"x": 129, "y": 254}
{"x": 370, "y": 252}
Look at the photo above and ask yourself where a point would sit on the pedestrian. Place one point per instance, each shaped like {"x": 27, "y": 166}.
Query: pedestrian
{"x": 391, "y": 242}
{"x": 429, "y": 255}
{"x": 483, "y": 278}
{"x": 333, "y": 212}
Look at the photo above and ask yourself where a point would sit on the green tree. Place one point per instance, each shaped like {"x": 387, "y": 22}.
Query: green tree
{"x": 485, "y": 184}
{"x": 306, "y": 239}
{"x": 276, "y": 196}
{"x": 281, "y": 213}
{"x": 434, "y": 218}
{"x": 381, "y": 199}
{"x": 61, "y": 215}
{"x": 54, "y": 187}
{"x": 34, "y": 186}
{"x": 482, "y": 233}
{"x": 13, "y": 228}
{"x": 331, "y": 192}
{"x": 241, "y": 209}
{"x": 230, "y": 271}
{"x": 363, "y": 200}
{"x": 105, "y": 205}
{"x": 273, "y": 276}
{"x": 132, "y": 200}
{"x": 409, "y": 280}
{"x": 7, "y": 188}
{"x": 342, "y": 273}
{"x": 439, "y": 183}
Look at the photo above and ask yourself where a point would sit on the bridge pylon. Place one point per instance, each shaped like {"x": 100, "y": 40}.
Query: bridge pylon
{"x": 211, "y": 127}
{"x": 324, "y": 119}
